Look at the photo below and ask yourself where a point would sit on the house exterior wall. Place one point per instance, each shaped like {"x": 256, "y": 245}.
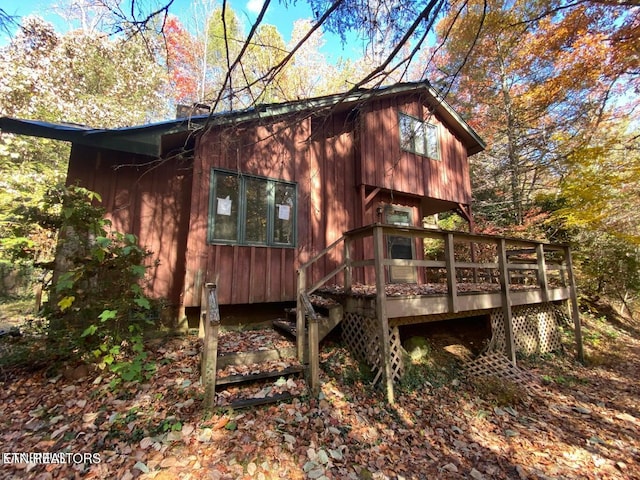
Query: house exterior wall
{"x": 149, "y": 200}
{"x": 386, "y": 165}
{"x": 345, "y": 164}
{"x": 337, "y": 161}
{"x": 322, "y": 166}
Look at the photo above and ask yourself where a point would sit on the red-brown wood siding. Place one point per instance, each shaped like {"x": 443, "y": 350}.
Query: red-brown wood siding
{"x": 245, "y": 274}
{"x": 386, "y": 165}
{"x": 152, "y": 202}
{"x": 322, "y": 165}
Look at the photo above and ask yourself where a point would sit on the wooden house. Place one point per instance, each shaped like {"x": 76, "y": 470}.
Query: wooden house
{"x": 273, "y": 202}
{"x": 244, "y": 198}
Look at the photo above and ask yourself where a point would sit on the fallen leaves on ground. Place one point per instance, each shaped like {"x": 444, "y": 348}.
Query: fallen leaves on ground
{"x": 584, "y": 423}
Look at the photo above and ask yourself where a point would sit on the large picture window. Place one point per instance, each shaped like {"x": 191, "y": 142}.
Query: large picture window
{"x": 419, "y": 137}
{"x": 251, "y": 210}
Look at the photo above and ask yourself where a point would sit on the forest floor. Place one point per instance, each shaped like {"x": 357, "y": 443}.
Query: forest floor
{"x": 583, "y": 422}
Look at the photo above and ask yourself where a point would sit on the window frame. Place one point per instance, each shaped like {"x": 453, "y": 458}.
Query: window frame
{"x": 415, "y": 125}
{"x": 241, "y": 214}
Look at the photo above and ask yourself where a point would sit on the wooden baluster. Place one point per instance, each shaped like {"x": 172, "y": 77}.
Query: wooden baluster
{"x": 542, "y": 273}
{"x": 506, "y": 300}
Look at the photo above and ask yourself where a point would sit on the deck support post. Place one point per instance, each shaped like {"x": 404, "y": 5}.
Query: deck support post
{"x": 381, "y": 313}
{"x": 348, "y": 270}
{"x": 211, "y": 323}
{"x": 573, "y": 299}
{"x": 314, "y": 356}
{"x": 506, "y": 300}
{"x": 452, "y": 285}
{"x": 300, "y": 314}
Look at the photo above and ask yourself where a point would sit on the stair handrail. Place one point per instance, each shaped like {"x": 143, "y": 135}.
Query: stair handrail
{"x": 322, "y": 253}
{"x": 303, "y": 302}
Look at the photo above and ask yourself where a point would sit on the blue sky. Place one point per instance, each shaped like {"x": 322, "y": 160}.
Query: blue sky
{"x": 283, "y": 18}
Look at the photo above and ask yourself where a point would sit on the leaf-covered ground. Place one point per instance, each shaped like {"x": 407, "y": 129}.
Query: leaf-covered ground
{"x": 584, "y": 423}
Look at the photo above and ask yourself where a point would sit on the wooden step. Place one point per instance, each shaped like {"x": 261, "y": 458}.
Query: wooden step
{"x": 254, "y": 402}
{"x": 243, "y": 382}
{"x": 286, "y": 325}
{"x": 326, "y": 322}
{"x": 240, "y": 378}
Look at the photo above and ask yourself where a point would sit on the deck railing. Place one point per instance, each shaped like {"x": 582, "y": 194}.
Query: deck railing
{"x": 450, "y": 265}
{"x": 455, "y": 263}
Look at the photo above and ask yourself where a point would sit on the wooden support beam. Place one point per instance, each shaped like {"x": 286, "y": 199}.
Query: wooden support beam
{"x": 452, "y": 284}
{"x": 506, "y": 301}
{"x": 314, "y": 357}
{"x": 210, "y": 350}
{"x": 381, "y": 313}
{"x": 573, "y": 298}
{"x": 371, "y": 196}
{"x": 300, "y": 316}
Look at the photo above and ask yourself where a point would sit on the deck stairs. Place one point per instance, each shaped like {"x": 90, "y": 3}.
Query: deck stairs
{"x": 264, "y": 372}
{"x": 330, "y": 314}
{"x": 247, "y": 368}
{"x": 317, "y": 313}
{"x": 257, "y": 387}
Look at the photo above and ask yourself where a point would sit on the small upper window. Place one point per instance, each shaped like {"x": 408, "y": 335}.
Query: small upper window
{"x": 419, "y": 137}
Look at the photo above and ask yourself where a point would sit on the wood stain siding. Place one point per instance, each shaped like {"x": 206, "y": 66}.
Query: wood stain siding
{"x": 323, "y": 167}
{"x": 151, "y": 202}
{"x": 246, "y": 274}
{"x": 335, "y": 199}
{"x": 386, "y": 165}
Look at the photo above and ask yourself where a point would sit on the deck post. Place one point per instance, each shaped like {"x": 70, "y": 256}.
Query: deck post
{"x": 300, "y": 314}
{"x": 314, "y": 356}
{"x": 211, "y": 321}
{"x": 381, "y": 313}
{"x": 348, "y": 271}
{"x": 452, "y": 285}
{"x": 542, "y": 273}
{"x": 506, "y": 300}
{"x": 573, "y": 298}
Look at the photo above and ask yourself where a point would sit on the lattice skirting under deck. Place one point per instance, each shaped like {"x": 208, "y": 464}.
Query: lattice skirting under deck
{"x": 535, "y": 329}
{"x": 362, "y": 336}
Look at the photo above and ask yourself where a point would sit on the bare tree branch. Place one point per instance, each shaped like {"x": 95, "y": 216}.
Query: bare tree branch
{"x": 7, "y": 21}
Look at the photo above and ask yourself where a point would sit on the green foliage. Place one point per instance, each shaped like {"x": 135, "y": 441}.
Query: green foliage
{"x": 426, "y": 366}
{"x": 84, "y": 78}
{"x": 96, "y": 296}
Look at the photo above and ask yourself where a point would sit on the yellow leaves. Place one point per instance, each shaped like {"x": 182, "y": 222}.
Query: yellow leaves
{"x": 602, "y": 187}
{"x": 66, "y": 302}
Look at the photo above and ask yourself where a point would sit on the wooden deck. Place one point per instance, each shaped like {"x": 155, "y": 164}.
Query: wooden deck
{"x": 421, "y": 300}
{"x": 451, "y": 273}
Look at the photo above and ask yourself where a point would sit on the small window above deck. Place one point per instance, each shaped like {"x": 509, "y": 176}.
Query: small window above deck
{"x": 419, "y": 137}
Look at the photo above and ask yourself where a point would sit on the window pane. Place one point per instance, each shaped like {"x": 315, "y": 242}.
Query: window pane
{"x": 257, "y": 204}
{"x": 406, "y": 132}
{"x": 227, "y": 191}
{"x": 420, "y": 138}
{"x": 432, "y": 142}
{"x": 284, "y": 212}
